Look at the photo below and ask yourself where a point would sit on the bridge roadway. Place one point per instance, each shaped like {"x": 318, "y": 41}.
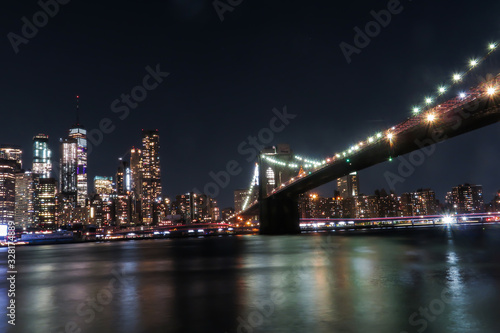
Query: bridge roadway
{"x": 278, "y": 212}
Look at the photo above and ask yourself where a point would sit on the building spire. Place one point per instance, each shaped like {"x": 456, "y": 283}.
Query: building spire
{"x": 78, "y": 110}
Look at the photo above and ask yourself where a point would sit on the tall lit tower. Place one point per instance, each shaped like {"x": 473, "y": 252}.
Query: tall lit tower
{"x": 123, "y": 178}
{"x": 8, "y": 169}
{"x": 78, "y": 132}
{"x": 151, "y": 174}
{"x": 68, "y": 169}
{"x": 42, "y": 164}
{"x": 25, "y": 199}
{"x": 47, "y": 191}
{"x": 136, "y": 170}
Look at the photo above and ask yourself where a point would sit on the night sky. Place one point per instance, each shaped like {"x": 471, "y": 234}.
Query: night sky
{"x": 227, "y": 76}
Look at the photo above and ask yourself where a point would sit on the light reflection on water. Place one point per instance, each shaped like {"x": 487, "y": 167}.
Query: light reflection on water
{"x": 324, "y": 283}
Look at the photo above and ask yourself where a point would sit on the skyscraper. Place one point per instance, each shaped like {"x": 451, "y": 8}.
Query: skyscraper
{"x": 47, "y": 191}
{"x": 78, "y": 133}
{"x": 151, "y": 173}
{"x": 123, "y": 210}
{"x": 96, "y": 210}
{"x": 348, "y": 186}
{"x": 25, "y": 199}
{"x": 136, "y": 170}
{"x": 42, "y": 164}
{"x": 8, "y": 169}
{"x": 68, "y": 168}
{"x": 123, "y": 178}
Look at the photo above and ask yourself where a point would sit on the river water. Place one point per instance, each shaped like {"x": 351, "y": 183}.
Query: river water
{"x": 426, "y": 281}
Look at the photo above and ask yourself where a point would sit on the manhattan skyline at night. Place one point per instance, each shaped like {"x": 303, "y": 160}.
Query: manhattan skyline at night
{"x": 204, "y": 113}
{"x": 250, "y": 166}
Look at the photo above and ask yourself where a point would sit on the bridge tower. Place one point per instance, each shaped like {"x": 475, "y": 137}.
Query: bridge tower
{"x": 279, "y": 214}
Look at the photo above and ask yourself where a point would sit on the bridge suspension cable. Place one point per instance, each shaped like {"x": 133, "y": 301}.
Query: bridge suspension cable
{"x": 255, "y": 181}
{"x": 455, "y": 78}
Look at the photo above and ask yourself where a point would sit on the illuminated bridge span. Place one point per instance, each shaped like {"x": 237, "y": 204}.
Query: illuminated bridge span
{"x": 277, "y": 207}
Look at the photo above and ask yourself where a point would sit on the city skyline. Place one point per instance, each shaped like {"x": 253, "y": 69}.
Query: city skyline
{"x": 306, "y": 71}
{"x": 250, "y": 166}
{"x": 325, "y": 190}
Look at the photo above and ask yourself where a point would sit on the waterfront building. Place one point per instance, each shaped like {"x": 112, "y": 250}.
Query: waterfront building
{"x": 421, "y": 202}
{"x": 466, "y": 198}
{"x": 136, "y": 171}
{"x": 123, "y": 178}
{"x": 46, "y": 203}
{"x": 151, "y": 174}
{"x": 25, "y": 185}
{"x": 348, "y": 186}
{"x": 8, "y": 169}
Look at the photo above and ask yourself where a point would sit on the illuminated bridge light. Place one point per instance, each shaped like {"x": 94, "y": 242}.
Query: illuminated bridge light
{"x": 448, "y": 219}
{"x": 416, "y": 110}
{"x": 491, "y": 91}
{"x": 390, "y": 136}
{"x": 442, "y": 90}
{"x": 370, "y": 139}
{"x": 492, "y": 46}
{"x": 428, "y": 100}
{"x": 462, "y": 95}
{"x": 431, "y": 117}
{"x": 474, "y": 63}
{"x": 457, "y": 77}
{"x": 379, "y": 135}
